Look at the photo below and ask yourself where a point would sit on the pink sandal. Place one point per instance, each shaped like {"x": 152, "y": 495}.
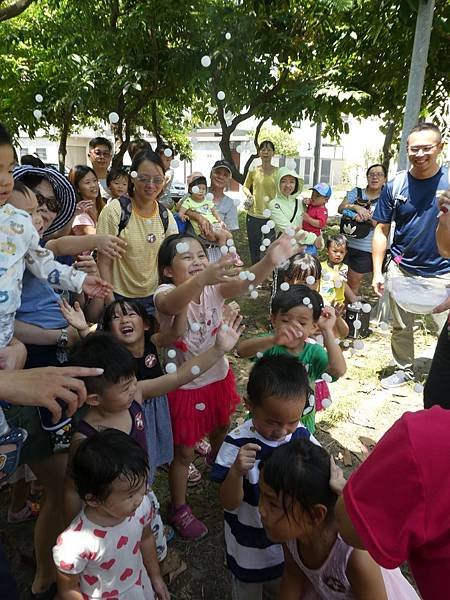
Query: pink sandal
{"x": 202, "y": 447}
{"x": 194, "y": 476}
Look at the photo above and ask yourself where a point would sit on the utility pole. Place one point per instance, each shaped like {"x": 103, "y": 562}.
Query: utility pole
{"x": 424, "y": 24}
{"x": 317, "y": 149}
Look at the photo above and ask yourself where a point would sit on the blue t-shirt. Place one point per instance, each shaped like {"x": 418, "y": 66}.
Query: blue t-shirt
{"x": 39, "y": 304}
{"x": 417, "y": 215}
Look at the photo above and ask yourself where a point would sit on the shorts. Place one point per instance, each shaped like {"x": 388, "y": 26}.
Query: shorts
{"x": 359, "y": 261}
{"x": 196, "y": 412}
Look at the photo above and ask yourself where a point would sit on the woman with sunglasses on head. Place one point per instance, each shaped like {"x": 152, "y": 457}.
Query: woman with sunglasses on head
{"x": 359, "y": 204}
{"x": 135, "y": 276}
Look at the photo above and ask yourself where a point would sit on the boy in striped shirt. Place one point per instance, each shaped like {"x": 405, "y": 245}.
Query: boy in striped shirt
{"x": 276, "y": 396}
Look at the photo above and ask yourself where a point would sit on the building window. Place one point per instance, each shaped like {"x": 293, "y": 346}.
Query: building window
{"x": 41, "y": 153}
{"x": 23, "y": 151}
{"x": 325, "y": 170}
{"x": 307, "y": 171}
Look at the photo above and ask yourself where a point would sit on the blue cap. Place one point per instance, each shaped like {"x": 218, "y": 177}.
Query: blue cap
{"x": 323, "y": 189}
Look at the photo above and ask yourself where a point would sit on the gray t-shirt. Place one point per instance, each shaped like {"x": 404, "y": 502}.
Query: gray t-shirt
{"x": 228, "y": 211}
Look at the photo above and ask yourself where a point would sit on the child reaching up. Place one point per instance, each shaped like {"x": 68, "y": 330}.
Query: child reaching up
{"x": 108, "y": 550}
{"x": 297, "y": 314}
{"x": 194, "y": 289}
{"x": 297, "y": 509}
{"x": 276, "y": 395}
{"x": 333, "y": 283}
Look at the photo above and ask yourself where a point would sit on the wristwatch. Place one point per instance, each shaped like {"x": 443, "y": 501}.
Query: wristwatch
{"x": 61, "y": 346}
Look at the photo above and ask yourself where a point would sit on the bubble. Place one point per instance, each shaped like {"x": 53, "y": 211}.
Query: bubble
{"x": 353, "y": 35}
{"x": 326, "y": 403}
{"x": 113, "y": 117}
{"x": 209, "y": 196}
{"x": 39, "y": 98}
{"x": 262, "y": 248}
{"x": 175, "y": 163}
{"x": 418, "y": 387}
{"x": 200, "y": 406}
{"x": 383, "y": 326}
{"x": 325, "y": 276}
{"x": 230, "y": 243}
{"x": 338, "y": 283}
{"x": 284, "y": 286}
{"x": 290, "y": 231}
{"x": 37, "y": 114}
{"x": 357, "y": 324}
{"x": 239, "y": 149}
{"x": 171, "y": 353}
{"x": 220, "y": 95}
{"x": 346, "y": 343}
{"x": 182, "y": 247}
{"x": 259, "y": 355}
{"x": 366, "y": 308}
{"x": 224, "y": 327}
{"x": 266, "y": 242}
{"x": 265, "y": 229}
{"x": 224, "y": 250}
{"x": 195, "y": 327}
{"x": 310, "y": 280}
{"x": 251, "y": 276}
{"x": 251, "y": 287}
{"x": 171, "y": 367}
{"x": 195, "y": 370}
{"x": 271, "y": 224}
{"x": 293, "y": 242}
{"x": 306, "y": 301}
{"x": 211, "y": 110}
{"x": 243, "y": 275}
{"x": 233, "y": 250}
{"x": 358, "y": 345}
{"x": 267, "y": 213}
{"x": 168, "y": 152}
{"x": 337, "y": 341}
{"x": 205, "y": 61}
{"x": 310, "y": 306}
{"x": 326, "y": 377}
{"x": 195, "y": 189}
{"x": 228, "y": 35}
{"x": 133, "y": 174}
{"x": 266, "y": 199}
{"x": 254, "y": 294}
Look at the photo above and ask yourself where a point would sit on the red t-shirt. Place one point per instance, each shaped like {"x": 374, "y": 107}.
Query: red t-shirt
{"x": 316, "y": 212}
{"x": 399, "y": 499}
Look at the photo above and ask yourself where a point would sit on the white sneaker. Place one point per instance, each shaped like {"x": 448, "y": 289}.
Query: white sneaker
{"x": 395, "y": 380}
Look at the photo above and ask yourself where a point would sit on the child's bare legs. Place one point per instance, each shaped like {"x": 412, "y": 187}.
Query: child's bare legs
{"x": 216, "y": 439}
{"x": 354, "y": 280}
{"x": 178, "y": 474}
{"x": 222, "y": 236}
{"x": 19, "y": 495}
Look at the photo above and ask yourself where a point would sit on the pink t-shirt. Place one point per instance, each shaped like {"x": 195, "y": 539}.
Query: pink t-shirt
{"x": 399, "y": 499}
{"x": 84, "y": 219}
{"x": 203, "y": 322}
{"x": 316, "y": 212}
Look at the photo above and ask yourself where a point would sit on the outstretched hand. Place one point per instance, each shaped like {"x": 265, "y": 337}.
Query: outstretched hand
{"x": 220, "y": 271}
{"x": 327, "y": 319}
{"x": 73, "y": 315}
{"x": 229, "y": 332}
{"x": 337, "y": 479}
{"x": 96, "y": 287}
{"x": 281, "y": 250}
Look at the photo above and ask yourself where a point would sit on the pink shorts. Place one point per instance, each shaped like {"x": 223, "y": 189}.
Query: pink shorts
{"x": 196, "y": 412}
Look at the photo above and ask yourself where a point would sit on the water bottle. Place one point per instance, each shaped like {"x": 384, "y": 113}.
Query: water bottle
{"x": 11, "y": 442}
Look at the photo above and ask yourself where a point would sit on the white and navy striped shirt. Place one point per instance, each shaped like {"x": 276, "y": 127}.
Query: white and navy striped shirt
{"x": 251, "y": 556}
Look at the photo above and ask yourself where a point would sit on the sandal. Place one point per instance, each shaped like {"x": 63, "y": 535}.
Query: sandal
{"x": 194, "y": 476}
{"x": 202, "y": 447}
{"x": 27, "y": 513}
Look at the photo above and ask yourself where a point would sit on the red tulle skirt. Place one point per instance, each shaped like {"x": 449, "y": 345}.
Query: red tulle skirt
{"x": 196, "y": 412}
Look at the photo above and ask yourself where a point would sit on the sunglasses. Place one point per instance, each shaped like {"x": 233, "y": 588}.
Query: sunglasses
{"x": 51, "y": 203}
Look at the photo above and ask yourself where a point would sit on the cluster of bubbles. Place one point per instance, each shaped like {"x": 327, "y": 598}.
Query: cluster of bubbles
{"x": 37, "y": 113}
{"x": 230, "y": 247}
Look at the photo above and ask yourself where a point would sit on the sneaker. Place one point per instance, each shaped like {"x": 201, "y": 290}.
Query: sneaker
{"x": 187, "y": 525}
{"x": 395, "y": 380}
{"x": 194, "y": 476}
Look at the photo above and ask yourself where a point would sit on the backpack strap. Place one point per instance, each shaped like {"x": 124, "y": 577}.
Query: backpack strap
{"x": 125, "y": 214}
{"x": 295, "y": 211}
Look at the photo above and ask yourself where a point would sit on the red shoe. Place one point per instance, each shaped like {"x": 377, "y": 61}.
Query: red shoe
{"x": 187, "y": 525}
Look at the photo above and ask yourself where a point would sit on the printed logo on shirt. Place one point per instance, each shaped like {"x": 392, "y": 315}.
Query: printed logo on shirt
{"x": 54, "y": 277}
{"x": 151, "y": 238}
{"x": 150, "y": 361}
{"x": 8, "y": 247}
{"x": 334, "y": 584}
{"x": 4, "y": 296}
{"x": 139, "y": 421}
{"x": 16, "y": 227}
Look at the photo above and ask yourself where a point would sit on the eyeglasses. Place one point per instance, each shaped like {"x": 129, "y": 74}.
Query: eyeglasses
{"x": 376, "y": 175}
{"x": 51, "y": 203}
{"x": 423, "y": 149}
{"x": 100, "y": 154}
{"x": 149, "y": 180}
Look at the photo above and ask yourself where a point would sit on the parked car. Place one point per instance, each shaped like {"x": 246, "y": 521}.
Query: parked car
{"x": 177, "y": 190}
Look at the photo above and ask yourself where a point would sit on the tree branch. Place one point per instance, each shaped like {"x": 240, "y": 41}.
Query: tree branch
{"x": 14, "y": 9}
{"x": 255, "y": 141}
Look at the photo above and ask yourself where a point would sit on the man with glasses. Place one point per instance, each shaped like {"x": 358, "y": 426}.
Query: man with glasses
{"x": 414, "y": 210}
{"x": 100, "y": 154}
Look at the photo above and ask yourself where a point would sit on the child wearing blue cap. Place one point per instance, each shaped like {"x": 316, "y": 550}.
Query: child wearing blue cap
{"x": 316, "y": 215}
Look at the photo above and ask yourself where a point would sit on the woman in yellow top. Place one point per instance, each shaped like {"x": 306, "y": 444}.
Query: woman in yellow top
{"x": 135, "y": 275}
{"x": 259, "y": 188}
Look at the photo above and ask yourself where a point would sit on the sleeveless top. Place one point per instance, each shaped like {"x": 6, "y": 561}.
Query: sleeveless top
{"x": 148, "y": 365}
{"x": 329, "y": 581}
{"x": 137, "y": 425}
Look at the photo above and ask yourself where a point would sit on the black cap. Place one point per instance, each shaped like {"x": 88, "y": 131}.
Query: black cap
{"x": 224, "y": 164}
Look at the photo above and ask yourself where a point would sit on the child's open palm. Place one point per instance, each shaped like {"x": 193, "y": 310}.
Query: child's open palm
{"x": 281, "y": 250}
{"x": 220, "y": 271}
{"x": 289, "y": 335}
{"x": 229, "y": 332}
{"x": 73, "y": 315}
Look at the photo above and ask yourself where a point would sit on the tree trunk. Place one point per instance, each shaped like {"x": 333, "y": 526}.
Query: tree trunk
{"x": 65, "y": 131}
{"x": 387, "y": 154}
{"x": 317, "y": 149}
{"x": 13, "y": 10}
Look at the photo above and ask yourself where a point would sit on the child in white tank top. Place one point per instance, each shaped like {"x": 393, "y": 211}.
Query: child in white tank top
{"x": 297, "y": 509}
